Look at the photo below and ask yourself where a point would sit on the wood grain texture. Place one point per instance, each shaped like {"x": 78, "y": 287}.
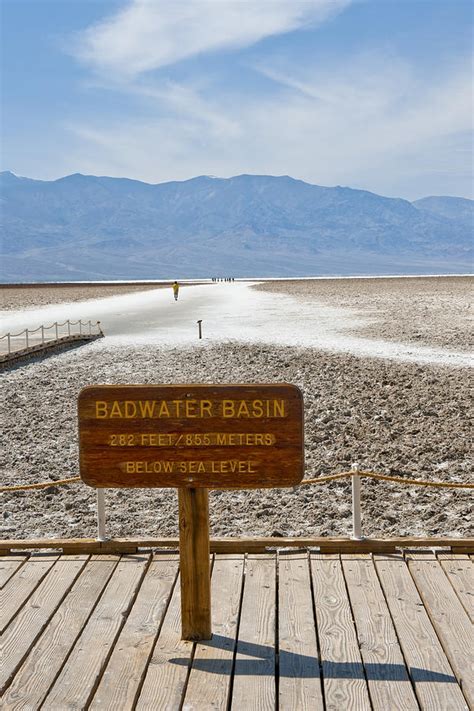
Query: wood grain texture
{"x": 389, "y": 684}
{"x": 460, "y": 572}
{"x": 167, "y": 672}
{"x": 211, "y": 672}
{"x": 449, "y": 618}
{"x": 194, "y": 567}
{"x": 22, "y": 632}
{"x": 202, "y": 436}
{"x": 80, "y": 674}
{"x": 299, "y": 676}
{"x": 9, "y": 565}
{"x": 18, "y": 589}
{"x": 434, "y": 682}
{"x": 254, "y": 680}
{"x": 343, "y": 674}
{"x": 120, "y": 683}
{"x": 37, "y": 674}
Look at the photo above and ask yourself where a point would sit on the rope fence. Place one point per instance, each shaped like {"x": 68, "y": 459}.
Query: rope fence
{"x": 85, "y": 328}
{"x": 355, "y": 474}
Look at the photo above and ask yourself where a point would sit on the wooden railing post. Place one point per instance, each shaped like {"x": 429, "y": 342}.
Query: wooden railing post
{"x": 356, "y": 511}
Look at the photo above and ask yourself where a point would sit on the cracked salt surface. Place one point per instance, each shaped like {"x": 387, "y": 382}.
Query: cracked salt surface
{"x": 230, "y": 312}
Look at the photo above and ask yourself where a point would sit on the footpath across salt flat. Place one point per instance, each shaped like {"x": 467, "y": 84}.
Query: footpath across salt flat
{"x": 230, "y": 312}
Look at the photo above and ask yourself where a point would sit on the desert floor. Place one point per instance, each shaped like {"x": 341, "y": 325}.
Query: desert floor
{"x": 400, "y": 415}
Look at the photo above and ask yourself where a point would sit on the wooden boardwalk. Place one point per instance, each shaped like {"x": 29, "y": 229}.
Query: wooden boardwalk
{"x": 292, "y": 631}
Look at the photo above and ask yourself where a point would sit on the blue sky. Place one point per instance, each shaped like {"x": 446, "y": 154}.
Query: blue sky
{"x": 374, "y": 94}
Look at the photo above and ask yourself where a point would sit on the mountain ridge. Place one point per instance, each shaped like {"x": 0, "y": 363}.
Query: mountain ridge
{"x": 82, "y": 227}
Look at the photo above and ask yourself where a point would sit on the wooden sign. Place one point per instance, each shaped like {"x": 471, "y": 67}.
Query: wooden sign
{"x": 191, "y": 436}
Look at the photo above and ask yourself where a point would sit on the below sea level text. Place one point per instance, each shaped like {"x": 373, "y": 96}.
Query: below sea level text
{"x": 229, "y": 466}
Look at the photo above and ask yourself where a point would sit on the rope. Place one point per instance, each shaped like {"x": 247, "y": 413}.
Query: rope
{"x": 386, "y": 477}
{"x": 42, "y": 485}
{"x": 317, "y": 480}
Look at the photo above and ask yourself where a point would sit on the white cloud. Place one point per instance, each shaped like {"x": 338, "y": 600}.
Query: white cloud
{"x": 149, "y": 34}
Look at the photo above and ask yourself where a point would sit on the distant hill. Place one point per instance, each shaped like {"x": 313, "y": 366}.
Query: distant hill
{"x": 87, "y": 227}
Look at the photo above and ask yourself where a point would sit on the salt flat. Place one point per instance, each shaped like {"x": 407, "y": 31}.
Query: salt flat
{"x": 235, "y": 312}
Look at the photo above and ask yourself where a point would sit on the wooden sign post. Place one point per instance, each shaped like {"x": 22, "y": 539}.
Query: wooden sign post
{"x": 193, "y": 438}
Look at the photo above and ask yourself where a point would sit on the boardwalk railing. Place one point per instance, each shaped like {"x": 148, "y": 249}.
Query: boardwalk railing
{"x": 13, "y": 342}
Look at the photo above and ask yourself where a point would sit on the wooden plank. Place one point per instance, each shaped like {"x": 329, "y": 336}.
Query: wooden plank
{"x": 9, "y": 564}
{"x": 389, "y": 684}
{"x": 241, "y": 545}
{"x": 211, "y": 672}
{"x": 343, "y": 673}
{"x": 121, "y": 680}
{"x": 254, "y": 674}
{"x": 299, "y": 675}
{"x": 194, "y": 564}
{"x": 79, "y": 676}
{"x": 460, "y": 572}
{"x": 24, "y": 629}
{"x": 433, "y": 679}
{"x": 449, "y": 618}
{"x": 19, "y": 588}
{"x": 210, "y": 436}
{"x": 167, "y": 672}
{"x": 37, "y": 674}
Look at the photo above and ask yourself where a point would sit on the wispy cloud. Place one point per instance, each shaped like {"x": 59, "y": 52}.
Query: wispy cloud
{"x": 149, "y": 34}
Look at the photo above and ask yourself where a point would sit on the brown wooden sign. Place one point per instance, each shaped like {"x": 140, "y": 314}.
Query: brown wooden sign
{"x": 211, "y": 436}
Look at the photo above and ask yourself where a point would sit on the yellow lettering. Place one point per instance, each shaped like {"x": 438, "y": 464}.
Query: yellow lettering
{"x": 243, "y": 410}
{"x": 206, "y": 408}
{"x": 228, "y": 408}
{"x": 146, "y": 408}
{"x": 164, "y": 411}
{"x": 130, "y": 409}
{"x": 278, "y": 408}
{"x": 100, "y": 409}
{"x": 257, "y": 408}
{"x": 115, "y": 411}
{"x": 191, "y": 408}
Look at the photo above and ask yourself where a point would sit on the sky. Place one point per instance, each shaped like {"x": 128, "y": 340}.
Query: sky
{"x": 371, "y": 94}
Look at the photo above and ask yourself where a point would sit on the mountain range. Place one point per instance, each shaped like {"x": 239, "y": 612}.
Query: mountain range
{"x": 83, "y": 227}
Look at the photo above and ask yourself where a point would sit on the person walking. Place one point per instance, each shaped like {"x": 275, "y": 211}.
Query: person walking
{"x": 175, "y": 290}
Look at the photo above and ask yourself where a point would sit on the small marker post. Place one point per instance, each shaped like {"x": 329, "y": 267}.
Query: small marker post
{"x": 200, "y": 327}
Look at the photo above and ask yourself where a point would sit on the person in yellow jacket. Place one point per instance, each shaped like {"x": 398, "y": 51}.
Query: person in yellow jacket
{"x": 175, "y": 290}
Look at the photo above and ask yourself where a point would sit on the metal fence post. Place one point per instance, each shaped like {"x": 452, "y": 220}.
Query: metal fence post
{"x": 356, "y": 512}
{"x": 56, "y": 329}
{"x": 42, "y": 335}
{"x": 101, "y": 531}
{"x": 68, "y": 327}
{"x": 26, "y": 338}
{"x": 90, "y": 328}
{"x": 9, "y": 343}
{"x": 80, "y": 327}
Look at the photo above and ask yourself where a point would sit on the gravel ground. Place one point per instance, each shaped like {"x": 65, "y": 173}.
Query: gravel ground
{"x": 13, "y": 298}
{"x": 434, "y": 311}
{"x": 395, "y": 418}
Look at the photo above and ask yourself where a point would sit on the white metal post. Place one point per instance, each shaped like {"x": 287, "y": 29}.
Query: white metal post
{"x": 101, "y": 532}
{"x": 68, "y": 327}
{"x": 90, "y": 328}
{"x": 56, "y": 329}
{"x": 356, "y": 512}
{"x": 42, "y": 335}
{"x": 80, "y": 327}
{"x": 26, "y": 338}
{"x": 9, "y": 343}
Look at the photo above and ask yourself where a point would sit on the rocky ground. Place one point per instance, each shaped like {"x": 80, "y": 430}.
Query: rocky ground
{"x": 405, "y": 419}
{"x": 421, "y": 310}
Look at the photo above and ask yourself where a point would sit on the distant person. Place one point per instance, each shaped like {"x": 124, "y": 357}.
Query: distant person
{"x": 175, "y": 290}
